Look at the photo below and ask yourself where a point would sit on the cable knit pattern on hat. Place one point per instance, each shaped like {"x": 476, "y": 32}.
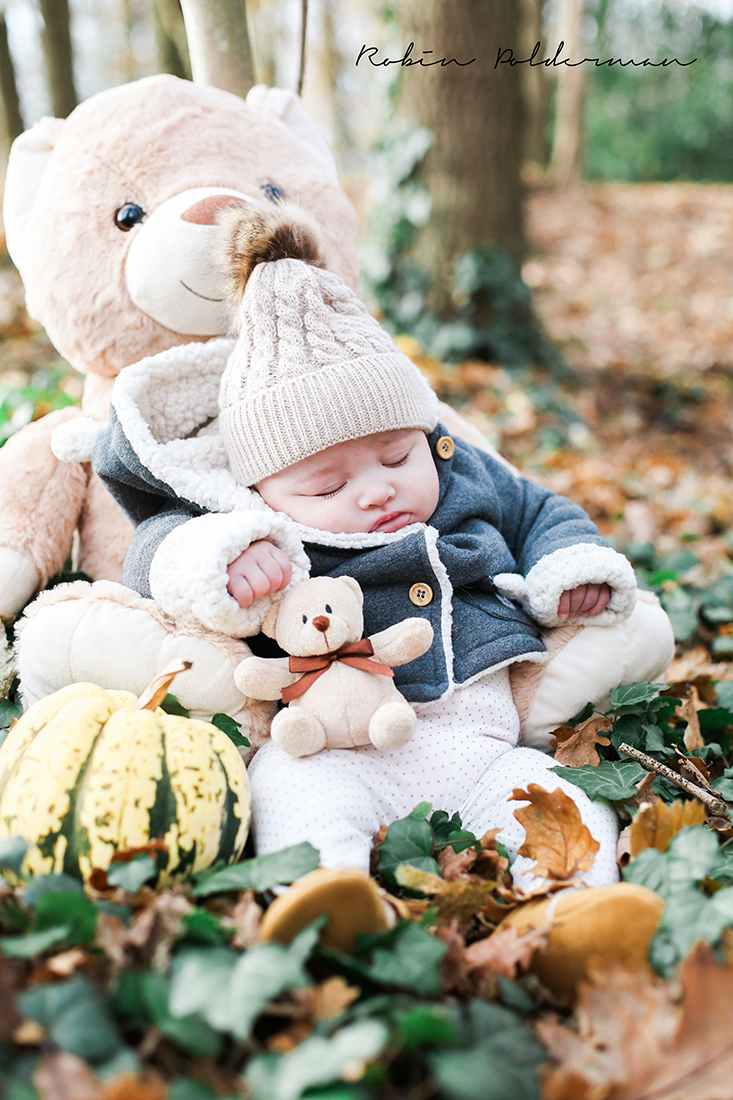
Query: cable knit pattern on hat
{"x": 312, "y": 368}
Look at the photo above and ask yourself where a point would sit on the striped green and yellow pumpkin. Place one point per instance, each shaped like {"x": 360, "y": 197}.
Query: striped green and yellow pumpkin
{"x": 88, "y": 772}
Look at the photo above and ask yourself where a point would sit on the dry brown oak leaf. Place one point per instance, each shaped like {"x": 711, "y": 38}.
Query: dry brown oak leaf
{"x": 634, "y": 1042}
{"x": 656, "y": 823}
{"x": 579, "y": 748}
{"x": 556, "y": 836}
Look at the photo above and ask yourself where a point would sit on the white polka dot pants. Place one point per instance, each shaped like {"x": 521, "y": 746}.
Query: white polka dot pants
{"x": 461, "y": 758}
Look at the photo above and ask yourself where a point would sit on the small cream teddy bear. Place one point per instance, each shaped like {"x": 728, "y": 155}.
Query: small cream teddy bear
{"x": 340, "y": 694}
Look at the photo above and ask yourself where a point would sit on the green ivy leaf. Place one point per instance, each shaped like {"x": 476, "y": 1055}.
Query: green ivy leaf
{"x": 76, "y": 1018}
{"x": 75, "y": 912}
{"x": 131, "y": 876}
{"x": 261, "y": 873}
{"x": 612, "y": 779}
{"x": 631, "y": 695}
{"x": 40, "y": 885}
{"x": 408, "y": 840}
{"x": 171, "y": 706}
{"x": 35, "y": 943}
{"x": 191, "y": 1033}
{"x": 231, "y": 728}
{"x": 425, "y": 1025}
{"x": 316, "y": 1061}
{"x": 502, "y": 1061}
{"x": 405, "y": 957}
{"x": 12, "y": 853}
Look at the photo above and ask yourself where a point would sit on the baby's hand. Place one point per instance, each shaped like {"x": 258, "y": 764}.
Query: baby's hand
{"x": 259, "y": 570}
{"x": 586, "y": 599}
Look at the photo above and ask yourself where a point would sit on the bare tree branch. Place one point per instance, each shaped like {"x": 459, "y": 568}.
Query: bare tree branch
{"x": 218, "y": 42}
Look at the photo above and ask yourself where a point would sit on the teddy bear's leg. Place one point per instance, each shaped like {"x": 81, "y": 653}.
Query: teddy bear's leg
{"x": 297, "y": 732}
{"x": 392, "y": 724}
{"x": 106, "y": 634}
{"x": 40, "y": 502}
{"x": 590, "y": 661}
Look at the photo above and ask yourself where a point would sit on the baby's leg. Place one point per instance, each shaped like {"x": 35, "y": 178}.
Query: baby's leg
{"x": 489, "y": 806}
{"x": 339, "y": 798}
{"x": 594, "y": 660}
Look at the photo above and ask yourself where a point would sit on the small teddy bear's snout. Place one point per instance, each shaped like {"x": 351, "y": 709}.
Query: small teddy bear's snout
{"x": 322, "y": 623}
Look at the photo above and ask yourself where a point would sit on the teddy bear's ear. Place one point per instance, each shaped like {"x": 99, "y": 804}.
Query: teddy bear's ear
{"x": 269, "y": 623}
{"x": 354, "y": 586}
{"x": 27, "y": 162}
{"x": 289, "y": 107}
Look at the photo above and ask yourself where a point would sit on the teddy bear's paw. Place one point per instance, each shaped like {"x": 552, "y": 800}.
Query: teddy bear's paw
{"x": 297, "y": 733}
{"x": 606, "y": 925}
{"x": 392, "y": 725}
{"x": 349, "y": 898}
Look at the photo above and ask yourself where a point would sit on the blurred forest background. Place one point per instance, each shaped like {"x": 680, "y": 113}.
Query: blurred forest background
{"x": 551, "y": 244}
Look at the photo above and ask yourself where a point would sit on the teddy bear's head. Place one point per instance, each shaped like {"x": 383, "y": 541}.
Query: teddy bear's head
{"x": 317, "y": 616}
{"x": 110, "y": 214}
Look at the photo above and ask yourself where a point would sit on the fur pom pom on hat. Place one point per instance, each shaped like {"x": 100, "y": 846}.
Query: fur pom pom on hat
{"x": 311, "y": 367}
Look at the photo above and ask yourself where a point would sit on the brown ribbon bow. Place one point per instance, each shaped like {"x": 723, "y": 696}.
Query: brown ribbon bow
{"x": 355, "y": 654}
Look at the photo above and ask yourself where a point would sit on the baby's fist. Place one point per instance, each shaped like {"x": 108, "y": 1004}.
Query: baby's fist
{"x": 586, "y": 599}
{"x": 260, "y": 570}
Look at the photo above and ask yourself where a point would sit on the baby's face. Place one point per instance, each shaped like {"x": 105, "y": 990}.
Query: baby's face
{"x": 379, "y": 483}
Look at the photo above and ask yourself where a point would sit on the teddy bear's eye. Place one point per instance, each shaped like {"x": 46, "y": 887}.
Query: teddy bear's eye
{"x": 128, "y": 215}
{"x": 305, "y": 618}
{"x": 328, "y": 609}
{"x": 272, "y": 192}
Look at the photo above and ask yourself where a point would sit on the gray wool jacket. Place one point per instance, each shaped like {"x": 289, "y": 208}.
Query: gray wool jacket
{"x": 487, "y": 569}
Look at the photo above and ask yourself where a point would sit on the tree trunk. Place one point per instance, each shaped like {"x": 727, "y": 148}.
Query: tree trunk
{"x": 566, "y": 161}
{"x": 13, "y": 119}
{"x": 218, "y": 42}
{"x": 56, "y": 37}
{"x": 475, "y": 113}
{"x": 170, "y": 34}
{"x": 536, "y": 83}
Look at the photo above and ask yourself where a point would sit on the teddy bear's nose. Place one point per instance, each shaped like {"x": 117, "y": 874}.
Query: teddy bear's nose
{"x": 205, "y": 210}
{"x": 322, "y": 623}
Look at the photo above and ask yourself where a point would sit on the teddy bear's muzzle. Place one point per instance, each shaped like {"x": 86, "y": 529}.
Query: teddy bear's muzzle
{"x": 170, "y": 273}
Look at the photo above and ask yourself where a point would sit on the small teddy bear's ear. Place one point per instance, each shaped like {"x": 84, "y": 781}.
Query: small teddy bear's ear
{"x": 354, "y": 586}
{"x": 269, "y": 623}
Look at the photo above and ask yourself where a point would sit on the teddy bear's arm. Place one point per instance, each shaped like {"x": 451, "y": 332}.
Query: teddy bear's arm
{"x": 40, "y": 503}
{"x": 403, "y": 642}
{"x": 264, "y": 677}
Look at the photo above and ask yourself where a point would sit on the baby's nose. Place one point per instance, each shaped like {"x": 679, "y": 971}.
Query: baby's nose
{"x": 376, "y": 495}
{"x": 322, "y": 623}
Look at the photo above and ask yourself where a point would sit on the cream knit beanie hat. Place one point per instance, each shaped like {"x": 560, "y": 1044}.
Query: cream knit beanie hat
{"x": 311, "y": 368}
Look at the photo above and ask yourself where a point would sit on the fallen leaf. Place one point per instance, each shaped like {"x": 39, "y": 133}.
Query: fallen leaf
{"x": 67, "y": 962}
{"x": 130, "y": 1087}
{"x": 644, "y": 793}
{"x": 633, "y": 1041}
{"x": 463, "y": 899}
{"x": 333, "y": 997}
{"x": 9, "y": 1015}
{"x": 623, "y": 847}
{"x": 28, "y": 1034}
{"x": 656, "y": 823}
{"x": 245, "y": 917}
{"x": 691, "y": 704}
{"x": 504, "y": 953}
{"x": 560, "y": 735}
{"x": 556, "y": 836}
{"x": 580, "y": 748}
{"x": 61, "y": 1076}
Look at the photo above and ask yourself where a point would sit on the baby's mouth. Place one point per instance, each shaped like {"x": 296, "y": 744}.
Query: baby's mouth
{"x": 392, "y": 521}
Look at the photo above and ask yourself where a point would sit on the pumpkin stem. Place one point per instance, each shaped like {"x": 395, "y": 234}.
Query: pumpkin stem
{"x": 157, "y": 689}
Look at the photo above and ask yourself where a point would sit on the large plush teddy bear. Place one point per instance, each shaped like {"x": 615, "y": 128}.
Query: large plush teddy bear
{"x": 109, "y": 216}
{"x": 339, "y": 687}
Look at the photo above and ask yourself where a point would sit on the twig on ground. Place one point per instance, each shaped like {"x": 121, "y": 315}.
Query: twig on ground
{"x": 715, "y": 805}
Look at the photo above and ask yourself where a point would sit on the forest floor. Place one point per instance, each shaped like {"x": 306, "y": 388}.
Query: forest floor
{"x": 635, "y": 286}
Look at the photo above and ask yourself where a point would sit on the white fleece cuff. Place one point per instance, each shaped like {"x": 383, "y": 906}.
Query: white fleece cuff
{"x": 188, "y": 574}
{"x": 74, "y": 440}
{"x": 539, "y": 592}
